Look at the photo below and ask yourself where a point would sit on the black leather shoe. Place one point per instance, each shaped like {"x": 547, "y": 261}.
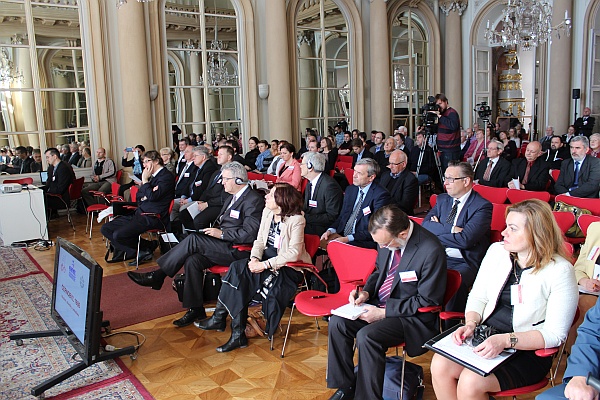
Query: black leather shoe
{"x": 343, "y": 394}
{"x": 189, "y": 317}
{"x": 211, "y": 325}
{"x": 118, "y": 256}
{"x": 235, "y": 342}
{"x": 142, "y": 257}
{"x": 150, "y": 279}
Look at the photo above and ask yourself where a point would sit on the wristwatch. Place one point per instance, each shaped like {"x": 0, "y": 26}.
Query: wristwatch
{"x": 513, "y": 340}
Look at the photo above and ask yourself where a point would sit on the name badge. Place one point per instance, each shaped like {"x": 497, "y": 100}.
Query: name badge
{"x": 234, "y": 214}
{"x": 312, "y": 203}
{"x": 593, "y": 254}
{"x": 53, "y": 178}
{"x": 198, "y": 183}
{"x": 516, "y": 294}
{"x": 290, "y": 167}
{"x": 366, "y": 210}
{"x": 408, "y": 276}
{"x": 277, "y": 241}
{"x": 186, "y": 175}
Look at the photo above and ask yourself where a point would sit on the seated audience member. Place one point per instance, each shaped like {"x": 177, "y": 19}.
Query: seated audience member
{"x": 20, "y": 164}
{"x": 493, "y": 170}
{"x": 36, "y": 165}
{"x": 86, "y": 158}
{"x": 102, "y": 179}
{"x": 408, "y": 141}
{"x": 475, "y": 152}
{"x": 136, "y": 163}
{"x": 168, "y": 156}
{"x": 359, "y": 150}
{"x": 323, "y": 197}
{"x": 399, "y": 139}
{"x": 75, "y": 155}
{"x": 392, "y": 316}
{"x": 383, "y": 157}
{"x": 280, "y": 240}
{"x": 239, "y": 220}
{"x": 235, "y": 145}
{"x": 277, "y": 161}
{"x": 400, "y": 182}
{"x": 211, "y": 199}
{"x": 252, "y": 154}
{"x": 532, "y": 256}
{"x": 461, "y": 220}
{"x": 175, "y": 132}
{"x": 546, "y": 141}
{"x": 557, "y": 153}
{"x": 579, "y": 176}
{"x": 60, "y": 177}
{"x": 514, "y": 136}
{"x": 345, "y": 148}
{"x": 595, "y": 145}
{"x": 510, "y": 148}
{"x": 464, "y": 143}
{"x": 183, "y": 182}
{"x": 310, "y": 138}
{"x": 583, "y": 360}
{"x": 65, "y": 152}
{"x": 377, "y": 142}
{"x": 154, "y": 196}
{"x": 425, "y": 163}
{"x": 265, "y": 158}
{"x": 361, "y": 200}
{"x": 4, "y": 158}
{"x": 566, "y": 138}
{"x": 193, "y": 139}
{"x": 289, "y": 169}
{"x": 330, "y": 152}
{"x": 531, "y": 171}
{"x": 181, "y": 145}
{"x": 585, "y": 124}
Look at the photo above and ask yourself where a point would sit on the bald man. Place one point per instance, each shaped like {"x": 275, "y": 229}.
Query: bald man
{"x": 531, "y": 171}
{"x": 402, "y": 184}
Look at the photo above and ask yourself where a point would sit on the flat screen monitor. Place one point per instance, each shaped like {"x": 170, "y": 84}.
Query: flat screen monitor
{"x": 76, "y": 298}
{"x": 44, "y": 177}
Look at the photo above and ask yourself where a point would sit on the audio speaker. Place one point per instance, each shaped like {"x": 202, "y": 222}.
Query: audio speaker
{"x": 576, "y": 94}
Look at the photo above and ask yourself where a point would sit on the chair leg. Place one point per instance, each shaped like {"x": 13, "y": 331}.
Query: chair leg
{"x": 137, "y": 259}
{"x": 403, "y": 365}
{"x": 317, "y": 321}
{"x": 287, "y": 331}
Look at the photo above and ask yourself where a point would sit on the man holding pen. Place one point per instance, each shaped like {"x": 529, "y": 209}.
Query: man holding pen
{"x": 410, "y": 273}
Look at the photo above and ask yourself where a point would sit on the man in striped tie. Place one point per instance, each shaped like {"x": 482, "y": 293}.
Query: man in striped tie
{"x": 410, "y": 273}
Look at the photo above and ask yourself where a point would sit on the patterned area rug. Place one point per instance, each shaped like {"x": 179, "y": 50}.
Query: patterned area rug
{"x": 16, "y": 262}
{"x": 25, "y": 306}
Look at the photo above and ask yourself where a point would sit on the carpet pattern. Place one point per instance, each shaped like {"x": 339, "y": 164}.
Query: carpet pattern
{"x": 121, "y": 390}
{"x": 16, "y": 262}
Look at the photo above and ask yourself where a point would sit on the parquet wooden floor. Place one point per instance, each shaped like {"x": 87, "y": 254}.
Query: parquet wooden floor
{"x": 182, "y": 364}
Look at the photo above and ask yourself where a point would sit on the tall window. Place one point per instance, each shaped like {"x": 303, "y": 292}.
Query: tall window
{"x": 43, "y": 99}
{"x": 323, "y": 65}
{"x": 410, "y": 68}
{"x": 203, "y": 75}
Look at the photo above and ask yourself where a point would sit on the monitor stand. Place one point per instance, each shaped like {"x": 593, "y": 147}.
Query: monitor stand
{"x": 80, "y": 366}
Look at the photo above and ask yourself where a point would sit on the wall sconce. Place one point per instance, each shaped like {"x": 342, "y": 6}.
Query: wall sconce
{"x": 263, "y": 91}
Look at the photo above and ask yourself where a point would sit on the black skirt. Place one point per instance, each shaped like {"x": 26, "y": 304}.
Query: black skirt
{"x": 522, "y": 369}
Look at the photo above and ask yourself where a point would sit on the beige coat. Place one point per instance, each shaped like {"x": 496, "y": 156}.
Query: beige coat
{"x": 584, "y": 268}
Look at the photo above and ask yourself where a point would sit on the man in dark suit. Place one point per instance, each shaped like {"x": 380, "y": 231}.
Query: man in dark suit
{"x": 531, "y": 171}
{"x": 154, "y": 196}
{"x": 579, "y": 176}
{"x": 571, "y": 133}
{"x": 383, "y": 157}
{"x": 410, "y": 273}
{"x": 75, "y": 156}
{"x": 557, "y": 153}
{"x": 361, "y": 199}
{"x": 427, "y": 169}
{"x": 461, "y": 220}
{"x": 65, "y": 152}
{"x": 211, "y": 200}
{"x": 377, "y": 143}
{"x": 20, "y": 165}
{"x": 185, "y": 178}
{"x": 584, "y": 125}
{"x": 493, "y": 170}
{"x": 323, "y": 197}
{"x": 238, "y": 224}
{"x": 400, "y": 182}
{"x": 183, "y": 144}
{"x": 360, "y": 151}
{"x": 547, "y": 140}
{"x": 60, "y": 177}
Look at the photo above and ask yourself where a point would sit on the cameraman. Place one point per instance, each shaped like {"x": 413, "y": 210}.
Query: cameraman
{"x": 448, "y": 131}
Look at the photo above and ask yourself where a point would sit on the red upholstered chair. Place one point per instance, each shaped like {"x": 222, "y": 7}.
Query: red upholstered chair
{"x": 21, "y": 181}
{"x": 107, "y": 199}
{"x": 585, "y": 220}
{"x": 498, "y": 222}
{"x": 417, "y": 219}
{"x": 151, "y": 232}
{"x": 303, "y": 184}
{"x": 74, "y": 195}
{"x": 349, "y": 172}
{"x": 492, "y": 194}
{"x": 133, "y": 191}
{"x": 255, "y": 176}
{"x": 516, "y": 195}
{"x": 564, "y": 220}
{"x": 345, "y": 159}
{"x": 222, "y": 269}
{"x": 270, "y": 178}
{"x": 433, "y": 200}
{"x": 554, "y": 173}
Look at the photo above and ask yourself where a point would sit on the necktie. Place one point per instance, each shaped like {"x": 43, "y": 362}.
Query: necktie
{"x": 452, "y": 215}
{"x": 386, "y": 286}
{"x": 576, "y": 181}
{"x": 308, "y": 190}
{"x": 352, "y": 220}
{"x": 526, "y": 177}
{"x": 194, "y": 181}
{"x": 181, "y": 175}
{"x": 488, "y": 171}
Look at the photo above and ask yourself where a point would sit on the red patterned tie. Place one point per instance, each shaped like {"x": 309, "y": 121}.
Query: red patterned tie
{"x": 526, "y": 177}
{"x": 488, "y": 171}
{"x": 386, "y": 287}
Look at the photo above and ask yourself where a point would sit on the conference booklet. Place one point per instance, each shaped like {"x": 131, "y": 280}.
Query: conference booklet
{"x": 350, "y": 311}
{"x": 464, "y": 355}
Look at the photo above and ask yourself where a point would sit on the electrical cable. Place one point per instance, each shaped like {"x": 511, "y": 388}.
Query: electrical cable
{"x": 109, "y": 347}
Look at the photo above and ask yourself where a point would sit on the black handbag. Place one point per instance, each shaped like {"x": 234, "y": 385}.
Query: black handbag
{"x": 392, "y": 382}
{"x": 178, "y": 283}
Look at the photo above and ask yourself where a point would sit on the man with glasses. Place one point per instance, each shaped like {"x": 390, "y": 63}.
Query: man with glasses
{"x": 461, "y": 220}
{"x": 579, "y": 175}
{"x": 493, "y": 170}
{"x": 400, "y": 182}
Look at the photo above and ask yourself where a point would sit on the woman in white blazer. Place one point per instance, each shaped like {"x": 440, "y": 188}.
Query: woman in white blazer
{"x": 526, "y": 289}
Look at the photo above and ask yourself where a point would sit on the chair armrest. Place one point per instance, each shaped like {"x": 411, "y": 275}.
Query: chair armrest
{"x": 546, "y": 352}
{"x": 299, "y": 264}
{"x": 430, "y": 309}
{"x": 242, "y": 247}
{"x": 445, "y": 315}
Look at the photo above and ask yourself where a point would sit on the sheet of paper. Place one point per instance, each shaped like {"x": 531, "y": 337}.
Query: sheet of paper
{"x": 104, "y": 213}
{"x": 260, "y": 184}
{"x": 169, "y": 238}
{"x": 465, "y": 353}
{"x": 517, "y": 184}
{"x": 349, "y": 311}
{"x": 596, "y": 272}
{"x": 585, "y": 291}
{"x": 193, "y": 209}
{"x": 135, "y": 178}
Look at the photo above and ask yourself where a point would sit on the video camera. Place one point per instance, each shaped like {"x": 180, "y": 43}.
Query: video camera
{"x": 429, "y": 120}
{"x": 483, "y": 110}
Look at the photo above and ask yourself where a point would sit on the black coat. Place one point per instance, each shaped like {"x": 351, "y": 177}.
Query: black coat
{"x": 500, "y": 174}
{"x": 538, "y": 173}
{"x": 404, "y": 189}
{"x": 328, "y": 197}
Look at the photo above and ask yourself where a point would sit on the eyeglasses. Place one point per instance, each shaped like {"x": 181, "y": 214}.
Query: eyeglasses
{"x": 385, "y": 246}
{"x": 146, "y": 161}
{"x": 226, "y": 178}
{"x": 397, "y": 163}
{"x": 451, "y": 180}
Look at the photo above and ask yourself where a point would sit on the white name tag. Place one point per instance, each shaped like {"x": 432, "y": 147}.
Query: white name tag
{"x": 198, "y": 183}
{"x": 366, "y": 210}
{"x": 596, "y": 272}
{"x": 277, "y": 241}
{"x": 234, "y": 214}
{"x": 291, "y": 167}
{"x": 516, "y": 295}
{"x": 186, "y": 175}
{"x": 408, "y": 276}
{"x": 312, "y": 203}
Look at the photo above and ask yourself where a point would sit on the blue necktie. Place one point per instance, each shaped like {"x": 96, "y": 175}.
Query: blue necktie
{"x": 576, "y": 181}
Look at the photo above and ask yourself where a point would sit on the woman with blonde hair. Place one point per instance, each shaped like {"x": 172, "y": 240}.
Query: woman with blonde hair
{"x": 526, "y": 291}
{"x": 168, "y": 156}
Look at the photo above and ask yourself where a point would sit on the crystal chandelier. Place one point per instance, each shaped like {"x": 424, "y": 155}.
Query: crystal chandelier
{"x": 123, "y": 2}
{"x": 217, "y": 65}
{"x": 526, "y": 23}
{"x": 8, "y": 72}
{"x": 400, "y": 93}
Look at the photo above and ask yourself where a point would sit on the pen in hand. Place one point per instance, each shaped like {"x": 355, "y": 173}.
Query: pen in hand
{"x": 356, "y": 295}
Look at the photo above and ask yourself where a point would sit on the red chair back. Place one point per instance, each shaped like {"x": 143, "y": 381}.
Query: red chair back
{"x": 344, "y": 159}
{"x": 255, "y": 176}
{"x": 75, "y": 189}
{"x": 133, "y": 192}
{"x": 492, "y": 194}
{"x": 303, "y": 184}
{"x": 270, "y": 178}
{"x": 114, "y": 188}
{"x": 564, "y": 220}
{"x": 589, "y": 204}
{"x": 498, "y": 222}
{"x": 119, "y": 175}
{"x": 585, "y": 220}
{"x": 433, "y": 200}
{"x": 352, "y": 264}
{"x": 311, "y": 243}
{"x": 516, "y": 195}
{"x": 349, "y": 172}
{"x": 569, "y": 249}
{"x": 343, "y": 165}
{"x": 453, "y": 281}
{"x": 554, "y": 173}
{"x": 21, "y": 181}
{"x": 417, "y": 220}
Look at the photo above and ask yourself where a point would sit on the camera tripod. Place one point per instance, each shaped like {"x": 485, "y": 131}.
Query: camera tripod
{"x": 486, "y": 122}
{"x": 427, "y": 137}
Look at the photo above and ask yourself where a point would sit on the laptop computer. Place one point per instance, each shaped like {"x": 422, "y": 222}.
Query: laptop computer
{"x": 44, "y": 177}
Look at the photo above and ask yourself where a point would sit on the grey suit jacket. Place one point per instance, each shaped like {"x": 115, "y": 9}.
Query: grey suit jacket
{"x": 589, "y": 178}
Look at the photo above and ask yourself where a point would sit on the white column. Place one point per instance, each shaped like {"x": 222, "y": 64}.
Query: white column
{"x": 381, "y": 100}
{"x": 196, "y": 95}
{"x": 453, "y": 54}
{"x": 25, "y": 103}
